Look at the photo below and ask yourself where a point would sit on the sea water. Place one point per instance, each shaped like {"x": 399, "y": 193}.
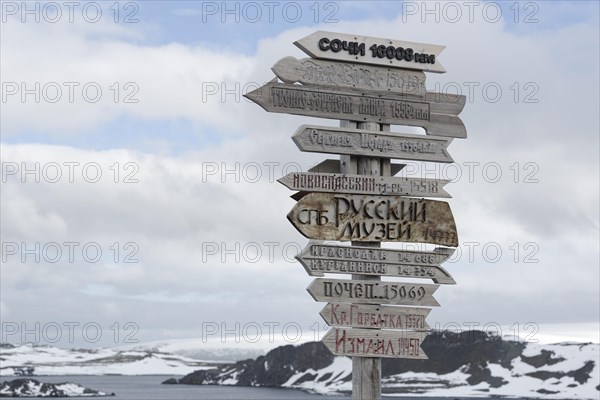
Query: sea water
{"x": 149, "y": 387}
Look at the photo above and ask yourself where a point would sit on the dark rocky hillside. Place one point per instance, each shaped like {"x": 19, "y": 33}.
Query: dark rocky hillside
{"x": 468, "y": 362}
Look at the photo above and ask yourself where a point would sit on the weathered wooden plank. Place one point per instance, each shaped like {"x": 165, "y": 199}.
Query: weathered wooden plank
{"x": 366, "y": 378}
{"x": 373, "y": 292}
{"x": 309, "y": 71}
{"x": 372, "y": 50}
{"x": 375, "y": 343}
{"x": 334, "y": 167}
{"x": 436, "y": 116}
{"x": 366, "y": 371}
{"x": 326, "y": 166}
{"x": 376, "y": 317}
{"x": 322, "y": 139}
{"x": 298, "y": 195}
{"x": 329, "y": 216}
{"x": 363, "y": 184}
{"x": 319, "y": 258}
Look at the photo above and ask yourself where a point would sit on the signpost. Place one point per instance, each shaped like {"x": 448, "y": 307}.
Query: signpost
{"x": 368, "y": 83}
{"x": 319, "y": 258}
{"x": 321, "y": 139}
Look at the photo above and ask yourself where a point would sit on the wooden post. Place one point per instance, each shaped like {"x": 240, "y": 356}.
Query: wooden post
{"x": 366, "y": 371}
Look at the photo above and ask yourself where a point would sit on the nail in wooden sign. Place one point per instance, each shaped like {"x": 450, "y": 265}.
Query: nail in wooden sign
{"x": 330, "y": 216}
{"x": 319, "y": 258}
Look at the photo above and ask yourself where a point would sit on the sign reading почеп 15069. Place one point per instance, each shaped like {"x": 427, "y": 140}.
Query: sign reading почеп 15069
{"x": 337, "y": 216}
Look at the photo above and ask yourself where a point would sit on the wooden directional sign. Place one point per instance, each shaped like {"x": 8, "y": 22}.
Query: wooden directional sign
{"x": 375, "y": 343}
{"x": 382, "y": 317}
{"x": 333, "y": 167}
{"x": 373, "y": 292}
{"x": 309, "y": 71}
{"x": 327, "y": 166}
{"x": 372, "y": 50}
{"x": 322, "y": 139}
{"x": 364, "y": 184}
{"x": 438, "y": 114}
{"x": 319, "y": 258}
{"x": 328, "y": 216}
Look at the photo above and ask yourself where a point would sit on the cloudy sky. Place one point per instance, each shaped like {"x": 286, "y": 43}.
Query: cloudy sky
{"x": 139, "y": 194}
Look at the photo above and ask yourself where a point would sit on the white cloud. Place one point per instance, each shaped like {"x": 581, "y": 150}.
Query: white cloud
{"x": 179, "y": 204}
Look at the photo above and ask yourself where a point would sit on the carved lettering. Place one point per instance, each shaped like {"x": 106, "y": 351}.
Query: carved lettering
{"x": 360, "y": 342}
{"x": 360, "y": 142}
{"x": 374, "y": 218}
{"x": 292, "y": 98}
{"x": 337, "y": 290}
{"x": 375, "y": 317}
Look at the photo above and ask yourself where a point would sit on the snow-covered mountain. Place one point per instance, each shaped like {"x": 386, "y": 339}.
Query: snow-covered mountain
{"x": 468, "y": 364}
{"x": 32, "y": 388}
{"x": 28, "y": 359}
{"x": 177, "y": 357}
{"x": 198, "y": 350}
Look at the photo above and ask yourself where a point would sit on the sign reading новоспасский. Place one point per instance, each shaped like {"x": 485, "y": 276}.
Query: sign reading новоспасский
{"x": 364, "y": 184}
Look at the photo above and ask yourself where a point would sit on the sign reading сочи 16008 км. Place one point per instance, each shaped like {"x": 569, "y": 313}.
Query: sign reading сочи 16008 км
{"x": 372, "y": 50}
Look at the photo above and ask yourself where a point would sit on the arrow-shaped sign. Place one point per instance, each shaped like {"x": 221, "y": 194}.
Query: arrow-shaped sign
{"x": 319, "y": 258}
{"x": 330, "y": 216}
{"x": 381, "y": 317}
{"x": 326, "y": 166}
{"x": 373, "y": 292}
{"x": 364, "y": 184}
{"x": 375, "y": 343}
{"x": 438, "y": 114}
{"x": 372, "y": 50}
{"x": 333, "y": 167}
{"x": 309, "y": 71}
{"x": 322, "y": 139}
